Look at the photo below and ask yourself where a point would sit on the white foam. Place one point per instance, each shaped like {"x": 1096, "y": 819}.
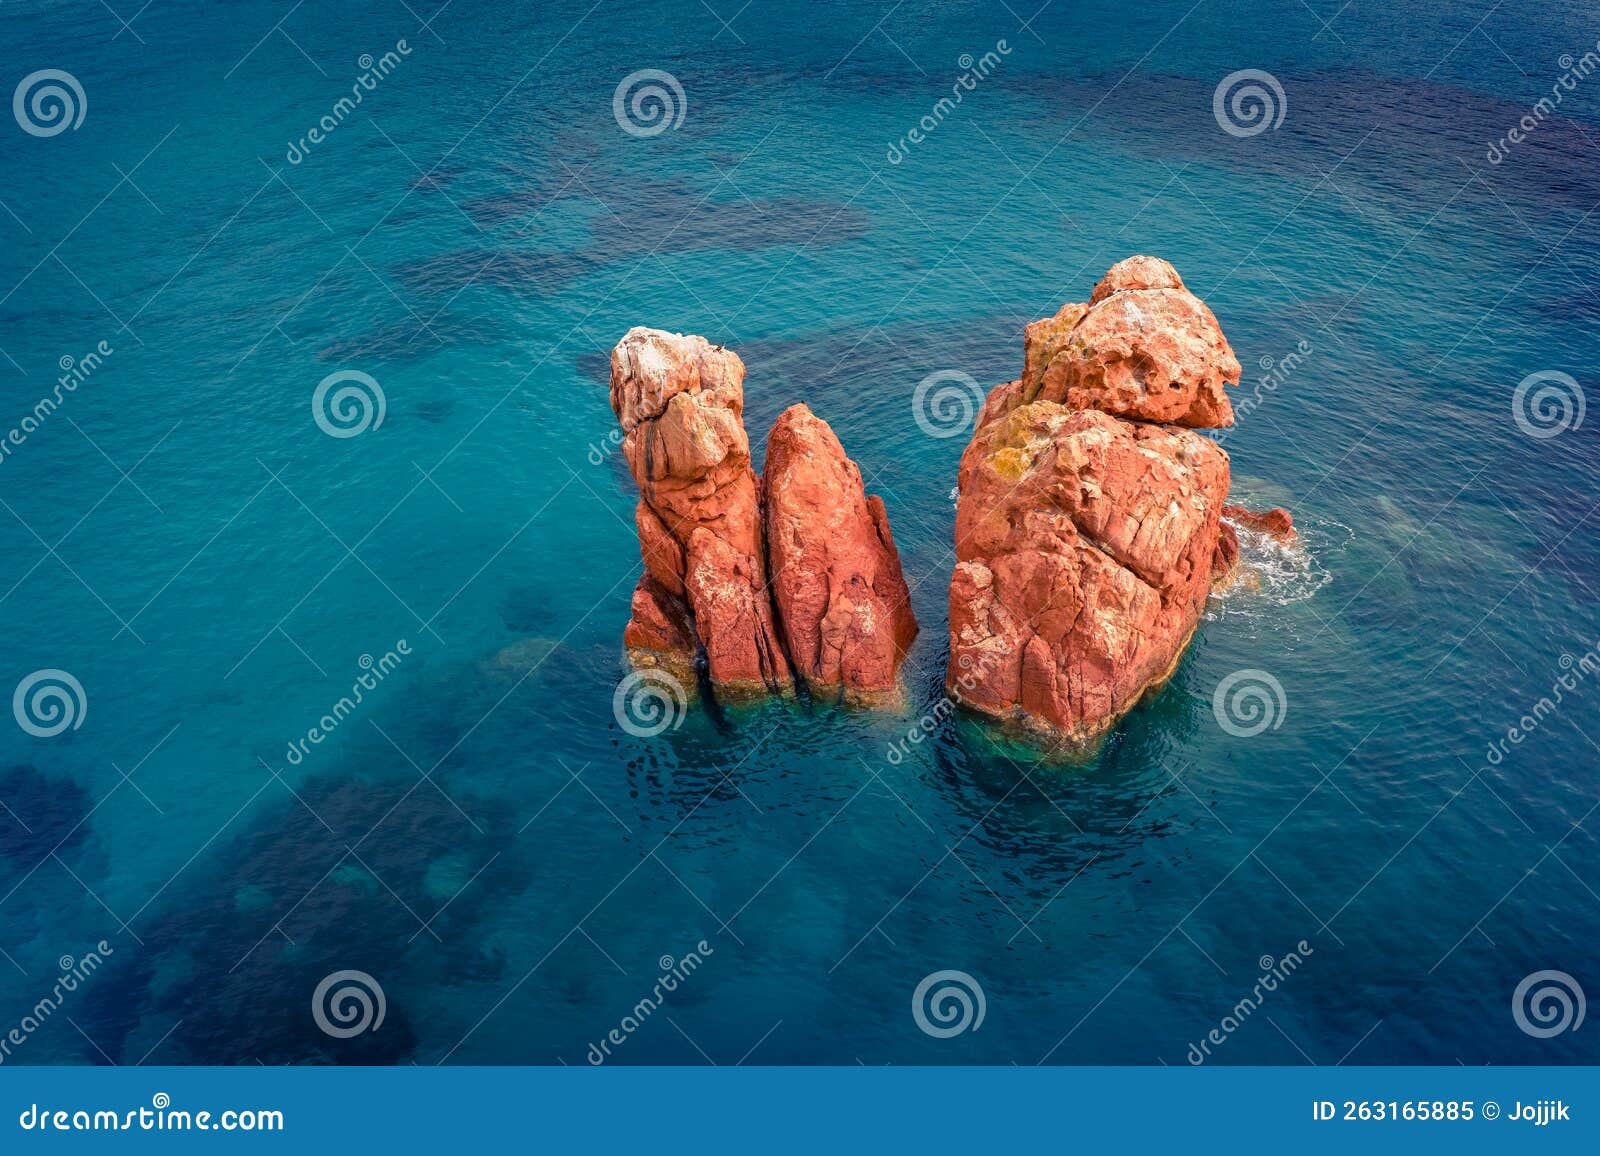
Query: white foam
{"x": 1272, "y": 574}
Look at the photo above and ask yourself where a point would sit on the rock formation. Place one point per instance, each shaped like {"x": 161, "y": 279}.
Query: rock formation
{"x": 759, "y": 582}
{"x": 1088, "y": 525}
{"x": 1276, "y": 523}
{"x": 680, "y": 401}
{"x": 843, "y": 607}
{"x": 1144, "y": 348}
{"x": 1227, "y": 565}
{"x": 1225, "y": 562}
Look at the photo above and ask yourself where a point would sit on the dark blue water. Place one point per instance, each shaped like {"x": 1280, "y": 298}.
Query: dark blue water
{"x": 479, "y": 835}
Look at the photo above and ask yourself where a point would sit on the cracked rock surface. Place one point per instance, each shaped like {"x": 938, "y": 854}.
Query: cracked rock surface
{"x": 1142, "y": 348}
{"x": 1087, "y": 528}
{"x": 757, "y": 581}
{"x": 843, "y": 606}
{"x": 681, "y": 402}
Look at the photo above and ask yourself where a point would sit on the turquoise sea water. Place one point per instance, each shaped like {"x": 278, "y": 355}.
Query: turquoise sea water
{"x": 480, "y": 836}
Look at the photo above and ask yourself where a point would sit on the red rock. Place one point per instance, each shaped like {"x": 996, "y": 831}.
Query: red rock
{"x": 1084, "y": 549}
{"x": 663, "y": 557}
{"x": 1143, "y": 348}
{"x": 1044, "y": 341}
{"x": 842, "y": 602}
{"x": 680, "y": 401}
{"x": 1277, "y": 522}
{"x": 1225, "y": 562}
{"x": 724, "y": 552}
{"x": 658, "y": 634}
{"x": 1087, "y": 538}
{"x": 1136, "y": 273}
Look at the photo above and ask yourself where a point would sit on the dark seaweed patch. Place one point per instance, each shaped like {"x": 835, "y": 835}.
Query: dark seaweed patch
{"x": 340, "y": 878}
{"x": 39, "y": 814}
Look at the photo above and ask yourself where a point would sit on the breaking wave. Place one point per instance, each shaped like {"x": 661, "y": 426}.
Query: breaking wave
{"x": 1272, "y": 574}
